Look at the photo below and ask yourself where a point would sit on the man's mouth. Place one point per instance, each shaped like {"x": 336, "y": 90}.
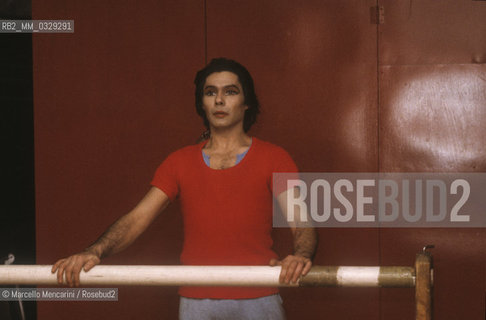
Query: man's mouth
{"x": 220, "y": 114}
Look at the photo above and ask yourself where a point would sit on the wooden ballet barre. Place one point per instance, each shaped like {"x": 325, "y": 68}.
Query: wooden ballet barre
{"x": 419, "y": 277}
{"x": 265, "y": 276}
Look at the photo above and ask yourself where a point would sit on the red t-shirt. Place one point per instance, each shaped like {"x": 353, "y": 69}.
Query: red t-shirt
{"x": 227, "y": 213}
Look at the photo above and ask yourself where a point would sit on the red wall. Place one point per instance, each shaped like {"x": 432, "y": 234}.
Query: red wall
{"x": 114, "y": 98}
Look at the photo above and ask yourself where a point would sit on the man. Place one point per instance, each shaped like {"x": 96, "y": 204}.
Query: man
{"x": 224, "y": 185}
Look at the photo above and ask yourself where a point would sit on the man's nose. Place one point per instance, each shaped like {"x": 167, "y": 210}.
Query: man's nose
{"x": 219, "y": 98}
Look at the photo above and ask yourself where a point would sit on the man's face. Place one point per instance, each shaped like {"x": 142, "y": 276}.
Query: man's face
{"x": 223, "y": 100}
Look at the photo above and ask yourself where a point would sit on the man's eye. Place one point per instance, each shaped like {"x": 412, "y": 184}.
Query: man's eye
{"x": 210, "y": 93}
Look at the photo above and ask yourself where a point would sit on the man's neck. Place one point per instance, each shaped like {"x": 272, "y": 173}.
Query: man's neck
{"x": 228, "y": 140}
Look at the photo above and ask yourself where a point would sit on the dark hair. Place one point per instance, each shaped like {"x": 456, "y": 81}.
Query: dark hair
{"x": 223, "y": 64}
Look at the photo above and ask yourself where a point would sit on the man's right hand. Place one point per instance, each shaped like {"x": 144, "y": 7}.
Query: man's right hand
{"x": 70, "y": 267}
{"x": 118, "y": 236}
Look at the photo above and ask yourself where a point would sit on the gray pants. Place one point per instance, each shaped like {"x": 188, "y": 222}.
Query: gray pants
{"x": 264, "y": 308}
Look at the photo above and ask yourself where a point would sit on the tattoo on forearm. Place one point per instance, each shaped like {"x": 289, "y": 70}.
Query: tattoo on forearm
{"x": 305, "y": 242}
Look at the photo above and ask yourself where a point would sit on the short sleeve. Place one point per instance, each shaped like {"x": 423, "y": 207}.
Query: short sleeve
{"x": 284, "y": 170}
{"x": 165, "y": 177}
{"x": 284, "y": 163}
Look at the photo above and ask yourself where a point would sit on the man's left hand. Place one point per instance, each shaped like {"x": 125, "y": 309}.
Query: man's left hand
{"x": 293, "y": 266}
